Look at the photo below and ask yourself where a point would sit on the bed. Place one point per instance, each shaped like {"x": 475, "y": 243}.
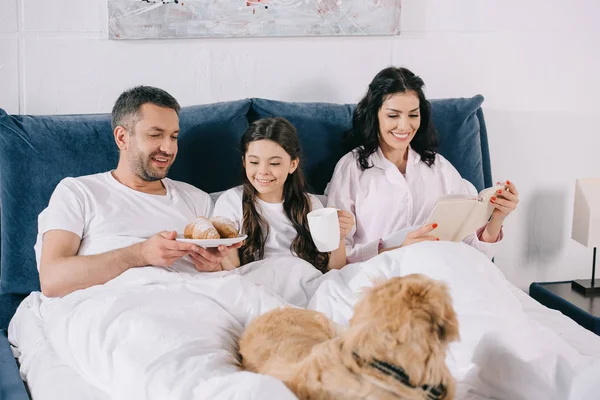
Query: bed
{"x": 58, "y": 358}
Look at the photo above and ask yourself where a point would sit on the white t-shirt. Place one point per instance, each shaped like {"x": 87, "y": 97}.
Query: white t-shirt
{"x": 108, "y": 215}
{"x": 281, "y": 231}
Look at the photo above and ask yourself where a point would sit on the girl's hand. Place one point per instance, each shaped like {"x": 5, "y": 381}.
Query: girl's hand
{"x": 505, "y": 201}
{"x": 346, "y": 223}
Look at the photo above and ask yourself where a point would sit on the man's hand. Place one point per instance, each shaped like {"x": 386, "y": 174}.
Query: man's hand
{"x": 209, "y": 260}
{"x": 163, "y": 250}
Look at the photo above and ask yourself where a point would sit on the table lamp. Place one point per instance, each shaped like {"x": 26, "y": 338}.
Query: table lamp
{"x": 586, "y": 228}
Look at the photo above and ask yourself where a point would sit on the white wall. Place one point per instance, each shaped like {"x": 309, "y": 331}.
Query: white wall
{"x": 537, "y": 62}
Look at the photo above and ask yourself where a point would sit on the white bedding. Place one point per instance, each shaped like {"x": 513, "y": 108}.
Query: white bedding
{"x": 156, "y": 334}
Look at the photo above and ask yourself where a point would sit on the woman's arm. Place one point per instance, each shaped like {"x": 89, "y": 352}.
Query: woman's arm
{"x": 486, "y": 238}
{"x": 491, "y": 231}
{"x": 505, "y": 201}
{"x": 342, "y": 194}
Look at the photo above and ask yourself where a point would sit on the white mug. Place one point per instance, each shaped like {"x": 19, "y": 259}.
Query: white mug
{"x": 324, "y": 228}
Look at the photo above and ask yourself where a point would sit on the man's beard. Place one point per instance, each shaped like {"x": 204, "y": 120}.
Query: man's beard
{"x": 142, "y": 167}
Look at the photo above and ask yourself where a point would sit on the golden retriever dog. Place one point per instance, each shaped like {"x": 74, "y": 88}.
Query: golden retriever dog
{"x": 394, "y": 348}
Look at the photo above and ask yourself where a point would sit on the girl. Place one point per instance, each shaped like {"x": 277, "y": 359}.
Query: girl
{"x": 272, "y": 204}
{"x": 393, "y": 145}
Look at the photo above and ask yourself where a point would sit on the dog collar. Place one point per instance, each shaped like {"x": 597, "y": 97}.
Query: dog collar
{"x": 434, "y": 392}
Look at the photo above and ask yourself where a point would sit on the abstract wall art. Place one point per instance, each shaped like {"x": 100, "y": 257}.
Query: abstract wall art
{"x": 156, "y": 19}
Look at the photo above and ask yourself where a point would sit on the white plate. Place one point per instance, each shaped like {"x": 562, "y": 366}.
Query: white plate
{"x": 206, "y": 243}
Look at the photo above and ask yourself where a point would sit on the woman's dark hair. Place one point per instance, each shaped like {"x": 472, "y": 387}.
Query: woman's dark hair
{"x": 296, "y": 202}
{"x": 364, "y": 133}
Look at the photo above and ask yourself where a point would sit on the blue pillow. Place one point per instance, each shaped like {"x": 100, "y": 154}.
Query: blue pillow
{"x": 459, "y": 121}
{"x": 38, "y": 151}
{"x": 461, "y": 130}
{"x": 208, "y": 145}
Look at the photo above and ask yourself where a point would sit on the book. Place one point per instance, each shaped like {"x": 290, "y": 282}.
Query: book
{"x": 459, "y": 215}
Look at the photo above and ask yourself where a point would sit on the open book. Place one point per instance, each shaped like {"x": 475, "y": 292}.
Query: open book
{"x": 459, "y": 215}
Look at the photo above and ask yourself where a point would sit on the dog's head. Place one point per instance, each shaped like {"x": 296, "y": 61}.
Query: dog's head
{"x": 402, "y": 306}
{"x": 406, "y": 321}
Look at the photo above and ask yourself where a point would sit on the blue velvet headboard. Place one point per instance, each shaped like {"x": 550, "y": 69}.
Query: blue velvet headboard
{"x": 38, "y": 151}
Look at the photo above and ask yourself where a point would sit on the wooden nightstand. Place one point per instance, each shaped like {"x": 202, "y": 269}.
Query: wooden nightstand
{"x": 585, "y": 310}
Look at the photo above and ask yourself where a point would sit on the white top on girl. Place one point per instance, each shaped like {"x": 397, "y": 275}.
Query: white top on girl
{"x": 385, "y": 202}
{"x": 281, "y": 231}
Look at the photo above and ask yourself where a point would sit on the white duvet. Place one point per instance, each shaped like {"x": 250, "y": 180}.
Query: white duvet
{"x": 157, "y": 334}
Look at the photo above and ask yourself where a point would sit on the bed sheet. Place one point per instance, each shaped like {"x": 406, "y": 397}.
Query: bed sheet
{"x": 50, "y": 377}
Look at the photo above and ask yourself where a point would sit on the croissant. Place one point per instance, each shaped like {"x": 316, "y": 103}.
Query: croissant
{"x": 200, "y": 228}
{"x": 226, "y": 227}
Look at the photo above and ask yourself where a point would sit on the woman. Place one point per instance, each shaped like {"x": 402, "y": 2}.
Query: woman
{"x": 392, "y": 177}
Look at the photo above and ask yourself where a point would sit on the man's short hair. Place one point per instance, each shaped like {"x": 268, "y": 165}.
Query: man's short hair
{"x": 126, "y": 110}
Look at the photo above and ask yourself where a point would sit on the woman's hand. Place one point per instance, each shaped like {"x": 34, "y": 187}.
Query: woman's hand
{"x": 420, "y": 235}
{"x": 505, "y": 201}
{"x": 346, "y": 223}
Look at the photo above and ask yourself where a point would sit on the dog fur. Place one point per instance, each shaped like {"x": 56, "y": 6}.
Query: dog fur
{"x": 406, "y": 321}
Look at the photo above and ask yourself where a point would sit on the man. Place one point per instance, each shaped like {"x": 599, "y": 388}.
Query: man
{"x": 96, "y": 227}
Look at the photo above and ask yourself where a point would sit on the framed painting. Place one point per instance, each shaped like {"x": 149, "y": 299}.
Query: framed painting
{"x": 156, "y": 19}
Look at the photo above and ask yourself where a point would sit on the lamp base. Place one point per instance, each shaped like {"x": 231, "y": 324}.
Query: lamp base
{"x": 587, "y": 287}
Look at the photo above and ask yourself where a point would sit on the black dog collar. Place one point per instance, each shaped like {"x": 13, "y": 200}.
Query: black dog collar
{"x": 435, "y": 392}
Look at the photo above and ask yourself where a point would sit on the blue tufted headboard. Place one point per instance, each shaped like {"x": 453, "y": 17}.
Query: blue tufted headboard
{"x": 38, "y": 151}
{"x": 460, "y": 124}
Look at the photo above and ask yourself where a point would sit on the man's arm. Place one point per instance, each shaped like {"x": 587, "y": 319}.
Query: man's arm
{"x": 62, "y": 271}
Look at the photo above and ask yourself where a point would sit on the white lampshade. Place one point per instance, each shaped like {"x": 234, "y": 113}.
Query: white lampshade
{"x": 586, "y": 213}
